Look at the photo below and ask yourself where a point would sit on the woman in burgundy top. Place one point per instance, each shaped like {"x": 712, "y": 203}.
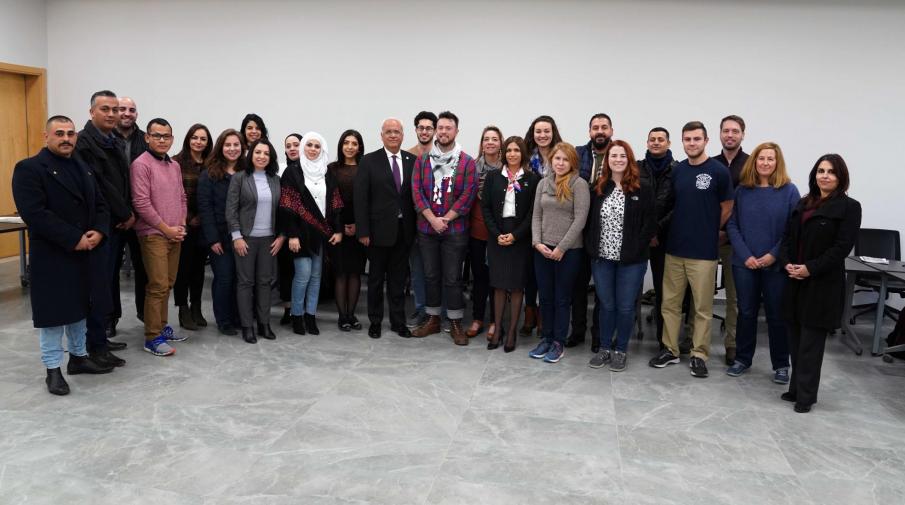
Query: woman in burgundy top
{"x": 196, "y": 147}
{"x": 821, "y": 232}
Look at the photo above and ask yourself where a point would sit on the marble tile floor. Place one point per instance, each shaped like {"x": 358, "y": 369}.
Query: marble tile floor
{"x": 344, "y": 419}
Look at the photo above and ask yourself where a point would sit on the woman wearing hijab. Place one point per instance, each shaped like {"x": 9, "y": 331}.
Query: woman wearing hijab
{"x": 285, "y": 270}
{"x": 311, "y": 207}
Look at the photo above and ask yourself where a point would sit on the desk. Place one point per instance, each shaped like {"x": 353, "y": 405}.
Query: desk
{"x": 853, "y": 265}
{"x": 23, "y": 258}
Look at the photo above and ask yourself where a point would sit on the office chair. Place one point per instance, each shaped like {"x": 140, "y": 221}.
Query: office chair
{"x": 878, "y": 243}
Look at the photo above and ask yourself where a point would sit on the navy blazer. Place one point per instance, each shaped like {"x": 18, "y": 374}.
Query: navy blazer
{"x": 65, "y": 283}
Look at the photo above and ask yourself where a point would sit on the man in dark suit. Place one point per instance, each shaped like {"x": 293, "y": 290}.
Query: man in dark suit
{"x": 385, "y": 224}
{"x": 99, "y": 150}
{"x": 67, "y": 219}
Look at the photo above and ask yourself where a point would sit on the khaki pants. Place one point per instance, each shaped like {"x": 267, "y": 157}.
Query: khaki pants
{"x": 161, "y": 259}
{"x": 678, "y": 274}
{"x": 731, "y": 298}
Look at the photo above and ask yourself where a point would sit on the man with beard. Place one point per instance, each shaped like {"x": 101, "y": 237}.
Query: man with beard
{"x": 133, "y": 145}
{"x": 425, "y": 125}
{"x": 67, "y": 220}
{"x": 703, "y": 202}
{"x": 656, "y": 169}
{"x": 732, "y": 133}
{"x": 590, "y": 157}
{"x": 444, "y": 186}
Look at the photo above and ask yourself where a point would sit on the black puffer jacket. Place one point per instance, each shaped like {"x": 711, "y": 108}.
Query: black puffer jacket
{"x": 661, "y": 185}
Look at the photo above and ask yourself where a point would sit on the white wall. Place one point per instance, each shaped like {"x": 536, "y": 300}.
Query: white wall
{"x": 816, "y": 78}
{"x": 23, "y": 32}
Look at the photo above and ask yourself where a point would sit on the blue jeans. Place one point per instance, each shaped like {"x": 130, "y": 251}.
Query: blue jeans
{"x": 223, "y": 285}
{"x": 418, "y": 287}
{"x": 306, "y": 284}
{"x": 618, "y": 286}
{"x": 750, "y": 287}
{"x": 555, "y": 281}
{"x": 52, "y": 342}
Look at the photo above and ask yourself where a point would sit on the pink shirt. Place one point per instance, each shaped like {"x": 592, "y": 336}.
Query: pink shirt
{"x": 157, "y": 194}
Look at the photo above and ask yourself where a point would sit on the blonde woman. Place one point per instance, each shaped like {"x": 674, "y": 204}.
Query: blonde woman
{"x": 560, "y": 211}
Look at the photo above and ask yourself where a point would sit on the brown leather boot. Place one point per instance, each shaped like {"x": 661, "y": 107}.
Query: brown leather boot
{"x": 530, "y": 321}
{"x": 429, "y": 327}
{"x": 457, "y": 332}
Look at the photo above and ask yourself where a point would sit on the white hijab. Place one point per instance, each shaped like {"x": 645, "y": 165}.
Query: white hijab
{"x": 314, "y": 169}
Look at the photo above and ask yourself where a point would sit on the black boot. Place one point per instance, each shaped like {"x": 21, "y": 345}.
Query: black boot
{"x": 115, "y": 346}
{"x": 311, "y": 325}
{"x": 185, "y": 319}
{"x": 287, "y": 318}
{"x": 298, "y": 325}
{"x": 107, "y": 358}
{"x": 56, "y": 384}
{"x": 264, "y": 331}
{"x": 110, "y": 328}
{"x": 84, "y": 364}
{"x": 248, "y": 335}
{"x": 197, "y": 316}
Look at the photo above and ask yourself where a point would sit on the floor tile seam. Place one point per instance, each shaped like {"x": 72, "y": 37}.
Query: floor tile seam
{"x": 452, "y": 438}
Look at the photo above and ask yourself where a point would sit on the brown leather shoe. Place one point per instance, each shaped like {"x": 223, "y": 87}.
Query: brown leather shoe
{"x": 475, "y": 328}
{"x": 429, "y": 327}
{"x": 530, "y": 321}
{"x": 457, "y": 332}
{"x": 491, "y": 331}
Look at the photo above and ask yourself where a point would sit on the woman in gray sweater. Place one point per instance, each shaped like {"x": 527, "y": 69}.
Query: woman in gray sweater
{"x": 560, "y": 211}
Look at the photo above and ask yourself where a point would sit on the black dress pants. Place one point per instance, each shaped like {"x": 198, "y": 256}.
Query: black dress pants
{"x": 388, "y": 265}
{"x": 806, "y": 344}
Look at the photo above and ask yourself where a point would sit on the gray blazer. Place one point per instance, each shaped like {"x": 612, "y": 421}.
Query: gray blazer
{"x": 242, "y": 202}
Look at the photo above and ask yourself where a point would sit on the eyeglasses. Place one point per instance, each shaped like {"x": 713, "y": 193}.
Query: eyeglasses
{"x": 160, "y": 136}
{"x": 425, "y": 128}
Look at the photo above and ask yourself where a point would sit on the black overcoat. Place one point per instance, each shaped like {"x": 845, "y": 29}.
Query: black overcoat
{"x": 821, "y": 244}
{"x": 64, "y": 282}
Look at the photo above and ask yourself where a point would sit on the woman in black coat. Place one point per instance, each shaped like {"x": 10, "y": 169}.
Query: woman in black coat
{"x": 821, "y": 232}
{"x": 310, "y": 210}
{"x": 507, "y": 204}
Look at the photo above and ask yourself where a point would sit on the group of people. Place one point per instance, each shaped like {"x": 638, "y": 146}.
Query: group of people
{"x": 533, "y": 219}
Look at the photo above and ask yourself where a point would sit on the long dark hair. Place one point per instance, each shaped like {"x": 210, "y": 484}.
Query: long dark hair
{"x": 272, "y": 166}
{"x": 813, "y": 198}
{"x": 258, "y": 121}
{"x": 529, "y": 137}
{"x": 184, "y": 157}
{"x": 340, "y": 157}
{"x": 216, "y": 163}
